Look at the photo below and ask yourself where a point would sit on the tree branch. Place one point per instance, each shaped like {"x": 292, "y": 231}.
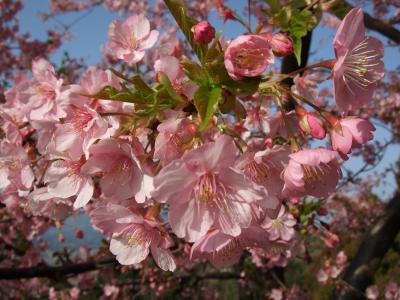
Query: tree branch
{"x": 367, "y": 260}
{"x": 341, "y": 8}
{"x": 53, "y": 272}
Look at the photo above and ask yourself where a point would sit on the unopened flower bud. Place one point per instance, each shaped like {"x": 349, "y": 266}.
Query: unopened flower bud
{"x": 78, "y": 233}
{"x": 310, "y": 123}
{"x": 322, "y": 211}
{"x": 334, "y": 122}
{"x": 61, "y": 238}
{"x": 203, "y": 32}
{"x": 281, "y": 44}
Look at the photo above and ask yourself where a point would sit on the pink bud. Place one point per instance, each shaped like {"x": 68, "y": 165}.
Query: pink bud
{"x": 322, "y": 211}
{"x": 203, "y": 32}
{"x": 312, "y": 125}
{"x": 281, "y": 44}
{"x": 78, "y": 233}
{"x": 61, "y": 238}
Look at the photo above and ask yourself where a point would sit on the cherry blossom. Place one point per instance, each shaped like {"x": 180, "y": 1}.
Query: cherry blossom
{"x": 248, "y": 56}
{"x": 313, "y": 171}
{"x": 203, "y": 190}
{"x": 130, "y": 39}
{"x": 64, "y": 179}
{"x": 114, "y": 159}
{"x": 353, "y": 132}
{"x": 358, "y": 66}
{"x": 134, "y": 235}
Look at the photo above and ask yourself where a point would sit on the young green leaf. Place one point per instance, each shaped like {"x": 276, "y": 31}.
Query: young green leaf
{"x": 206, "y": 102}
{"x": 177, "y": 9}
{"x": 164, "y": 80}
{"x": 195, "y": 72}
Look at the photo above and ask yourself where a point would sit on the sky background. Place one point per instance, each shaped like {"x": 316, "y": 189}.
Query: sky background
{"x": 89, "y": 35}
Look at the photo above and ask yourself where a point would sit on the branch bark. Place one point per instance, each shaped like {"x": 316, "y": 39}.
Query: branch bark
{"x": 53, "y": 272}
{"x": 360, "y": 273}
{"x": 341, "y": 8}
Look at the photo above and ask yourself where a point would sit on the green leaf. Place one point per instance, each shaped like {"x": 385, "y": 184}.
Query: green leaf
{"x": 141, "y": 85}
{"x": 274, "y": 5}
{"x": 166, "y": 83}
{"x": 214, "y": 51}
{"x": 297, "y": 44}
{"x": 111, "y": 93}
{"x": 206, "y": 102}
{"x": 177, "y": 9}
{"x": 300, "y": 23}
{"x": 195, "y": 72}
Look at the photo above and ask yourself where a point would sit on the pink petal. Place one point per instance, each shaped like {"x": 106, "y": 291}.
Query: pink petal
{"x": 163, "y": 259}
{"x": 190, "y": 220}
{"x": 85, "y": 194}
{"x": 351, "y": 31}
{"x": 128, "y": 255}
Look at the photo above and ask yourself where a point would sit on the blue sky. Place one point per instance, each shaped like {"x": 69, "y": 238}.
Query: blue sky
{"x": 90, "y": 34}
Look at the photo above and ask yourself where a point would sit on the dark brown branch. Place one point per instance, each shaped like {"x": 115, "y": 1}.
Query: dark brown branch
{"x": 367, "y": 260}
{"x": 341, "y": 8}
{"x": 289, "y": 64}
{"x": 53, "y": 272}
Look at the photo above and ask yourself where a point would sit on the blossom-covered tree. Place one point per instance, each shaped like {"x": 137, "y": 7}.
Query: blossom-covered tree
{"x": 197, "y": 159}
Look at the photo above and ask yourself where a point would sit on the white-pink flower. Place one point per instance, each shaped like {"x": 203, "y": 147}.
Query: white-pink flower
{"x": 169, "y": 65}
{"x": 203, "y": 190}
{"x": 134, "y": 233}
{"x": 312, "y": 172}
{"x": 121, "y": 176}
{"x": 281, "y": 227}
{"x": 355, "y": 132}
{"x": 92, "y": 81}
{"x": 173, "y": 134}
{"x": 264, "y": 168}
{"x": 82, "y": 127}
{"x": 43, "y": 93}
{"x": 64, "y": 179}
{"x": 130, "y": 39}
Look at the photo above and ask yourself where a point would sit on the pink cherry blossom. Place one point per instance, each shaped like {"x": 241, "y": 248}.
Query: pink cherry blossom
{"x": 276, "y": 294}
{"x": 10, "y": 127}
{"x": 130, "y": 39}
{"x": 121, "y": 174}
{"x": 169, "y": 65}
{"x": 257, "y": 118}
{"x": 203, "y": 190}
{"x": 64, "y": 179}
{"x": 248, "y": 56}
{"x": 90, "y": 83}
{"x": 134, "y": 234}
{"x": 358, "y": 65}
{"x": 174, "y": 134}
{"x": 354, "y": 132}
{"x": 223, "y": 250}
{"x": 82, "y": 127}
{"x": 42, "y": 94}
{"x": 281, "y": 227}
{"x": 307, "y": 85}
{"x": 15, "y": 167}
{"x": 372, "y": 292}
{"x": 264, "y": 168}
{"x": 41, "y": 203}
{"x": 392, "y": 291}
{"x": 312, "y": 172}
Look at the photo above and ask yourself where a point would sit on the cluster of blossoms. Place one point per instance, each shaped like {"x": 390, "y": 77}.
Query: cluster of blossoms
{"x": 392, "y": 291}
{"x": 331, "y": 270}
{"x": 199, "y": 155}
